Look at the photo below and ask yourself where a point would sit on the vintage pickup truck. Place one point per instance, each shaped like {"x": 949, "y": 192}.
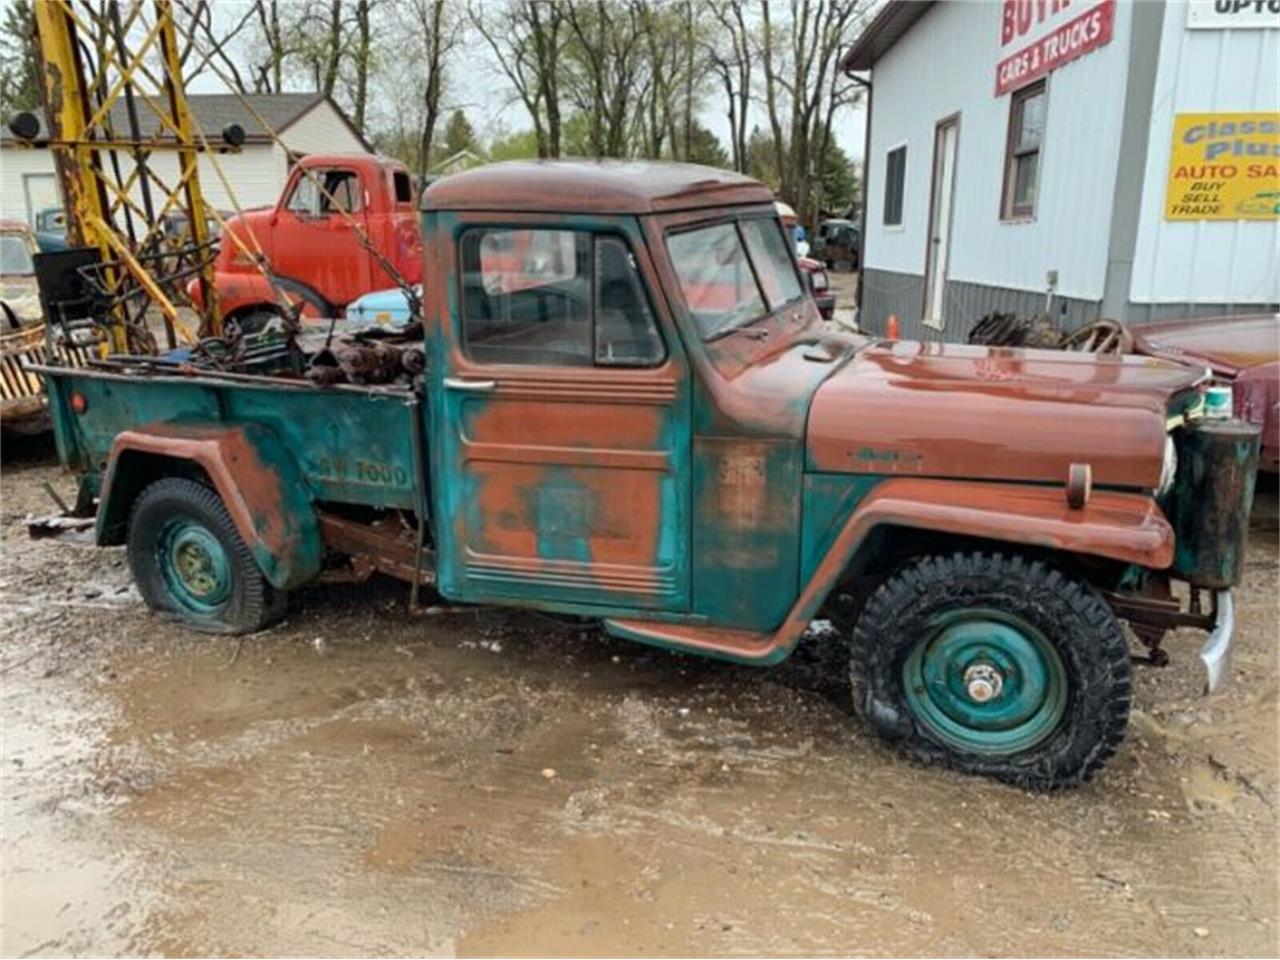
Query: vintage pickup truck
{"x": 629, "y": 410}
{"x": 340, "y": 222}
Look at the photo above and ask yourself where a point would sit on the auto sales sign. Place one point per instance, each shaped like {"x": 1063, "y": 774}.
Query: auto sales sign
{"x": 1224, "y": 166}
{"x": 1047, "y": 34}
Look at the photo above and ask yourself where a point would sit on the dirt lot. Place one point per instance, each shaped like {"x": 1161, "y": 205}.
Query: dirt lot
{"x": 481, "y": 782}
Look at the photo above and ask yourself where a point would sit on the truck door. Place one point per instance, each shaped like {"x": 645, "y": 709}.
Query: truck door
{"x": 561, "y": 422}
{"x": 315, "y": 243}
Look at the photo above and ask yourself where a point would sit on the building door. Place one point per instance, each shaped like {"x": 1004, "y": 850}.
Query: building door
{"x": 945, "y": 138}
{"x": 41, "y": 191}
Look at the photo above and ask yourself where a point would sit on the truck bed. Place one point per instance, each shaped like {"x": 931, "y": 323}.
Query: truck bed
{"x": 353, "y": 444}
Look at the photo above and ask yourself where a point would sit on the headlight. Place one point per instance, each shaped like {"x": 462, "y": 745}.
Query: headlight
{"x": 1168, "y": 469}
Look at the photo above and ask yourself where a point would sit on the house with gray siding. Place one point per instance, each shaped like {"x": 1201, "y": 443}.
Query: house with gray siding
{"x": 1081, "y": 158}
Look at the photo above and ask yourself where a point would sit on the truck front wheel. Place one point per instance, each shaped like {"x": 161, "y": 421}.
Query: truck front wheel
{"x": 994, "y": 664}
{"x": 190, "y": 563}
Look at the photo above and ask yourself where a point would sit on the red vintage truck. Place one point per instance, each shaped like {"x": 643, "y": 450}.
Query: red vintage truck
{"x": 623, "y": 405}
{"x": 310, "y": 241}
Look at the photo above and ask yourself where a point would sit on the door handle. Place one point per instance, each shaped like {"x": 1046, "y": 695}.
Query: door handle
{"x": 470, "y": 386}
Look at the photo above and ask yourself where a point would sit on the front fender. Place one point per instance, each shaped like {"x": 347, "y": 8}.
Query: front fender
{"x": 1129, "y": 527}
{"x": 262, "y": 488}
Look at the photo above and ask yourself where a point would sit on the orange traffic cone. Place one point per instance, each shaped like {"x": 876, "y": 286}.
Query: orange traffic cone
{"x": 891, "y": 328}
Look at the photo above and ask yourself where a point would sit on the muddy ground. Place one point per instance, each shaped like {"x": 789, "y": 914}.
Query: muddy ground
{"x": 479, "y": 782}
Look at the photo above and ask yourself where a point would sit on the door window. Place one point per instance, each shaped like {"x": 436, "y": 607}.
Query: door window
{"x": 555, "y": 297}
{"x": 341, "y": 193}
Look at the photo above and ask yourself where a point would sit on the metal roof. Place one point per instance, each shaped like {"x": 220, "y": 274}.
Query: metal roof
{"x": 593, "y": 186}
{"x": 894, "y": 19}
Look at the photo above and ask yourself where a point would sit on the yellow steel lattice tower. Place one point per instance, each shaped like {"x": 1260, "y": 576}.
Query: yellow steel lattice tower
{"x": 126, "y": 151}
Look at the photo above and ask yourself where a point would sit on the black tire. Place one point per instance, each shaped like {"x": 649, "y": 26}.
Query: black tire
{"x": 255, "y": 321}
{"x": 243, "y": 602}
{"x": 900, "y": 625}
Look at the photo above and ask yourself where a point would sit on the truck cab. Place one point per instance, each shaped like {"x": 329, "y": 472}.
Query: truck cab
{"x": 322, "y": 243}
{"x": 624, "y": 406}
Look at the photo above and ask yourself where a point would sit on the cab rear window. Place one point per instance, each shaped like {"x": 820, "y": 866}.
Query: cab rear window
{"x": 733, "y": 274}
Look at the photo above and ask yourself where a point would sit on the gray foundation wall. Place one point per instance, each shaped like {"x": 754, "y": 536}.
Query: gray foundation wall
{"x": 886, "y": 292}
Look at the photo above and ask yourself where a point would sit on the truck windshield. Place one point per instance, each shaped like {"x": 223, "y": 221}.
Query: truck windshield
{"x": 732, "y": 274}
{"x": 15, "y": 256}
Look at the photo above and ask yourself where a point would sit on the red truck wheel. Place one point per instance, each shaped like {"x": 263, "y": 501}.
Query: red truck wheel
{"x": 994, "y": 664}
{"x": 190, "y": 563}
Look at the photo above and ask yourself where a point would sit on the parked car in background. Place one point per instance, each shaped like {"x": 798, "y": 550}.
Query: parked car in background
{"x": 814, "y": 272}
{"x": 51, "y": 229}
{"x": 312, "y": 239}
{"x": 838, "y": 242}
{"x": 1242, "y": 349}
{"x": 23, "y": 408}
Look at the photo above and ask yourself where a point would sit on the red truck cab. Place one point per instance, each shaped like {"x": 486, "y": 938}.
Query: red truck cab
{"x": 310, "y": 241}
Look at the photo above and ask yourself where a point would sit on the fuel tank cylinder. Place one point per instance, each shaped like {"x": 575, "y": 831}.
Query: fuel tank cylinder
{"x": 1211, "y": 499}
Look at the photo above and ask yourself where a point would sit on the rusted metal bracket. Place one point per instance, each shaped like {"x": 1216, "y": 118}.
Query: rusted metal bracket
{"x": 382, "y": 546}
{"x": 1152, "y": 616}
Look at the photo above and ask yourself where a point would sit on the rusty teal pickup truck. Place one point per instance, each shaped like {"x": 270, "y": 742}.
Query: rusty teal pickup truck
{"x": 621, "y": 403}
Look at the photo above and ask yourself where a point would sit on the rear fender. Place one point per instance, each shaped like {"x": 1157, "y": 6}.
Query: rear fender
{"x": 261, "y": 486}
{"x": 1128, "y": 527}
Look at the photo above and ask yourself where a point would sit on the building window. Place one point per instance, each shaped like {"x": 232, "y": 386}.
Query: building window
{"x": 895, "y": 181}
{"x": 1022, "y": 156}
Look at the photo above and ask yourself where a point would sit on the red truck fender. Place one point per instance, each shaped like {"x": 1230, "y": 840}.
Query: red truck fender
{"x": 1128, "y": 527}
{"x": 263, "y": 490}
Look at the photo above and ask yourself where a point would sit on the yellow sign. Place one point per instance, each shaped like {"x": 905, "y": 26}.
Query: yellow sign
{"x": 1224, "y": 166}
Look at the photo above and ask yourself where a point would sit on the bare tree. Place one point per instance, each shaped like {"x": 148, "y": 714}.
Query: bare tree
{"x": 803, "y": 85}
{"x": 729, "y": 52}
{"x": 527, "y": 39}
{"x": 269, "y": 75}
{"x": 211, "y": 44}
{"x": 362, "y": 58}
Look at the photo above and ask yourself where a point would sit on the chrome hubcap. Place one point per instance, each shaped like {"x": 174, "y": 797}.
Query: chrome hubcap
{"x": 983, "y": 682}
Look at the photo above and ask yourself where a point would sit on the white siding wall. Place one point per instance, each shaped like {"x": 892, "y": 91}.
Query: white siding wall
{"x": 256, "y": 174}
{"x": 27, "y": 183}
{"x": 1211, "y": 261}
{"x": 321, "y": 130}
{"x": 946, "y": 64}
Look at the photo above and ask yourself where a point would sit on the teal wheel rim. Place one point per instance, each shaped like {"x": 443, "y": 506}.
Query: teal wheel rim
{"x": 194, "y": 565}
{"x": 983, "y": 681}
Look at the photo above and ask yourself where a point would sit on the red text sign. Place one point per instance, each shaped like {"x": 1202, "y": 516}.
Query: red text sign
{"x": 1076, "y": 37}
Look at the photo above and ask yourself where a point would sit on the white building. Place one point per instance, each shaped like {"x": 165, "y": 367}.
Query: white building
{"x": 1086, "y": 158}
{"x": 304, "y": 122}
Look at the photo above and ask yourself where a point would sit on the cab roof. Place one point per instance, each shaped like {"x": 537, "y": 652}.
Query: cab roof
{"x": 593, "y": 186}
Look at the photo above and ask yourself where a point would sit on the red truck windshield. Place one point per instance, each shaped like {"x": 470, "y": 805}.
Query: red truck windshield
{"x": 732, "y": 274}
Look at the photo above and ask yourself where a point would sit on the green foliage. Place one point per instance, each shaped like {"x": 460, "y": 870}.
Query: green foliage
{"x": 839, "y": 179}
{"x": 19, "y": 80}
{"x": 706, "y": 148}
{"x": 458, "y": 136}
{"x": 760, "y": 160}
{"x": 521, "y": 145}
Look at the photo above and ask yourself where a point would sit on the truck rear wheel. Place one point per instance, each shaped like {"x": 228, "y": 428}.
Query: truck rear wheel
{"x": 996, "y": 665}
{"x": 190, "y": 563}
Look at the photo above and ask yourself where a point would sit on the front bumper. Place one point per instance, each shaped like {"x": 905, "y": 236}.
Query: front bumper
{"x": 1216, "y": 652}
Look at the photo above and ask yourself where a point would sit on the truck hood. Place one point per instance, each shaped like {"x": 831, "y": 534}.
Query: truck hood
{"x": 1230, "y": 345}
{"x": 983, "y": 413}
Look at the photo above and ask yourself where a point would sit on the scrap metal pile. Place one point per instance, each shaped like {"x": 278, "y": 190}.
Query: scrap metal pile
{"x": 1039, "y": 330}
